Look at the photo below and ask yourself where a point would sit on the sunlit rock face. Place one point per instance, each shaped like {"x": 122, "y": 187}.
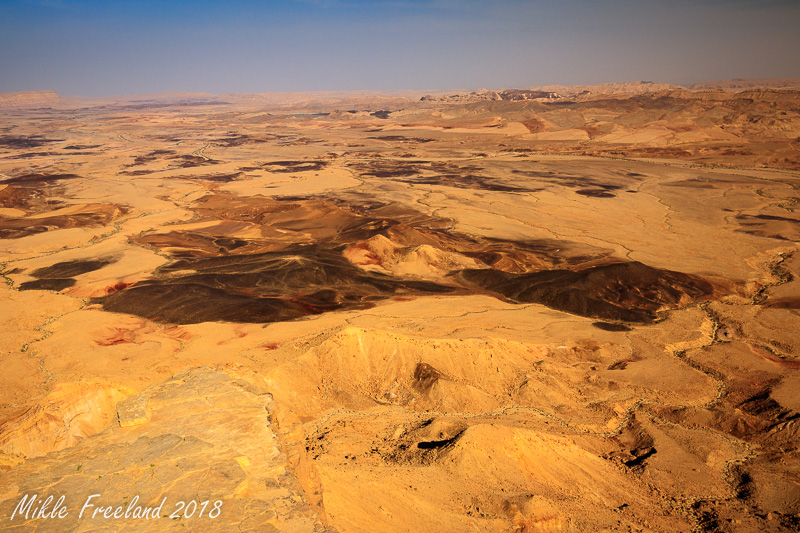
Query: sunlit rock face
{"x": 199, "y": 437}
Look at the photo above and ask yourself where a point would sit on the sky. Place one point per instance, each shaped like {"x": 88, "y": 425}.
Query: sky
{"x": 119, "y": 47}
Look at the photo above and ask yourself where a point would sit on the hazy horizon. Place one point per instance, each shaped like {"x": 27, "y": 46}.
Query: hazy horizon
{"x": 92, "y": 48}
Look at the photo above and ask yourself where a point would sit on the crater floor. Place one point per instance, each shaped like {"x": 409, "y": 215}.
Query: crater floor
{"x": 529, "y": 315}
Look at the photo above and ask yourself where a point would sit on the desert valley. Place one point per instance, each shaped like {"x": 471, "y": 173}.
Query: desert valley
{"x": 522, "y": 310}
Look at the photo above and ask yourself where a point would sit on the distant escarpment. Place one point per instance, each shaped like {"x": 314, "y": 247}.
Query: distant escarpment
{"x": 30, "y": 99}
{"x": 477, "y": 96}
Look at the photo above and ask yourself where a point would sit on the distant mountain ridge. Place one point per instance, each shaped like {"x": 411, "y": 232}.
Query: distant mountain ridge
{"x": 622, "y": 89}
{"x": 750, "y": 83}
{"x": 30, "y": 99}
{"x": 394, "y": 98}
{"x": 640, "y": 87}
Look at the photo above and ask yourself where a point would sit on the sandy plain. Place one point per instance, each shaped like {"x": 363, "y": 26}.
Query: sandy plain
{"x": 571, "y": 313}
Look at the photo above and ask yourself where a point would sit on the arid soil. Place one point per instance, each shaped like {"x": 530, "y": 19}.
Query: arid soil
{"x": 542, "y": 312}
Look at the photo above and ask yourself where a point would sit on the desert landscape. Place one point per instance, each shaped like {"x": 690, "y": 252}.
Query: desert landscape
{"x": 556, "y": 308}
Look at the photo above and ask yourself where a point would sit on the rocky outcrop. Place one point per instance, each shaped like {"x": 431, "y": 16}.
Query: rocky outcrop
{"x": 199, "y": 448}
{"x": 72, "y": 412}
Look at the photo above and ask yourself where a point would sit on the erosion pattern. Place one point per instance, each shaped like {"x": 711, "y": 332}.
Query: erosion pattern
{"x": 549, "y": 313}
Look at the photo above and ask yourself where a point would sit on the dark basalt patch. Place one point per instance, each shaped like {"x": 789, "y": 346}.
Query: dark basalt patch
{"x": 775, "y": 236}
{"x": 235, "y": 139}
{"x": 190, "y": 161}
{"x": 402, "y": 138}
{"x": 627, "y": 292}
{"x": 81, "y": 146}
{"x": 37, "y": 179}
{"x": 695, "y": 183}
{"x": 469, "y": 181}
{"x": 317, "y": 276}
{"x": 220, "y": 178}
{"x": 179, "y": 161}
{"x": 661, "y": 152}
{"x": 68, "y": 269}
{"x": 298, "y": 141}
{"x": 14, "y": 228}
{"x": 294, "y": 166}
{"x": 150, "y": 156}
{"x": 768, "y": 217}
{"x": 25, "y": 141}
{"x": 446, "y": 174}
{"x": 136, "y": 172}
{"x": 187, "y": 303}
{"x": 31, "y": 155}
{"x": 398, "y": 172}
{"x": 60, "y": 276}
{"x": 48, "y": 284}
{"x": 318, "y": 279}
{"x": 586, "y": 186}
{"x": 782, "y": 303}
{"x": 223, "y": 178}
{"x": 595, "y": 193}
{"x": 267, "y": 287}
{"x": 770, "y": 226}
{"x": 310, "y": 115}
{"x": 610, "y": 326}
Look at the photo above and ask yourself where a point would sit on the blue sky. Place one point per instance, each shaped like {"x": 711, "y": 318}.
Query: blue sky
{"x": 116, "y": 47}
